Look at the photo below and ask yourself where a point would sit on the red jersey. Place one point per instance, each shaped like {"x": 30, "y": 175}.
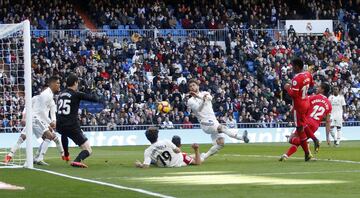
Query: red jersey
{"x": 320, "y": 106}
{"x": 299, "y": 88}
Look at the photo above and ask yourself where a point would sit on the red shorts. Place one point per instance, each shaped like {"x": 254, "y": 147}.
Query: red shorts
{"x": 187, "y": 159}
{"x": 300, "y": 113}
{"x": 310, "y": 129}
{"x": 299, "y": 118}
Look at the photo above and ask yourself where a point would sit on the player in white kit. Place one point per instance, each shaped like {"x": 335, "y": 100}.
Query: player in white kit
{"x": 42, "y": 105}
{"x": 338, "y": 103}
{"x": 164, "y": 153}
{"x": 201, "y": 105}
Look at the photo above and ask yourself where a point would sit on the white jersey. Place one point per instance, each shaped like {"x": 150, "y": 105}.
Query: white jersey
{"x": 337, "y": 103}
{"x": 207, "y": 112}
{"x": 40, "y": 121}
{"x": 44, "y": 104}
{"x": 162, "y": 152}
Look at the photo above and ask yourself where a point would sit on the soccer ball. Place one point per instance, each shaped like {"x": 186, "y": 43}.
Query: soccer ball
{"x": 164, "y": 107}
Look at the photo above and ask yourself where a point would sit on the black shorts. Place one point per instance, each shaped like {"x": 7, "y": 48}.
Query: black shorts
{"x": 74, "y": 133}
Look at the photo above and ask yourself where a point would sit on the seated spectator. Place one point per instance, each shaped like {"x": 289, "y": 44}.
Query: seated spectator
{"x": 187, "y": 124}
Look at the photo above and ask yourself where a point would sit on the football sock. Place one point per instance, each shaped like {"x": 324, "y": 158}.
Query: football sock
{"x": 292, "y": 150}
{"x": 232, "y": 134}
{"x": 332, "y": 133}
{"x": 16, "y": 147}
{"x": 214, "y": 149}
{"x": 59, "y": 145}
{"x": 338, "y": 136}
{"x": 38, "y": 151}
{"x": 44, "y": 147}
{"x": 82, "y": 155}
{"x": 65, "y": 144}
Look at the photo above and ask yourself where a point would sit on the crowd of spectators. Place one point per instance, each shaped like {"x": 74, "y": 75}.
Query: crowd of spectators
{"x": 140, "y": 14}
{"x": 245, "y": 78}
{"x": 216, "y": 14}
{"x": 42, "y": 14}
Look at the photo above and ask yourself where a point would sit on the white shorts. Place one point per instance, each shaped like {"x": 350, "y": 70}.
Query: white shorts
{"x": 336, "y": 121}
{"x": 211, "y": 127}
{"x": 39, "y": 127}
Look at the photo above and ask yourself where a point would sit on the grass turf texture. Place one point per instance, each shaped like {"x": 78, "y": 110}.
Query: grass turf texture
{"x": 116, "y": 165}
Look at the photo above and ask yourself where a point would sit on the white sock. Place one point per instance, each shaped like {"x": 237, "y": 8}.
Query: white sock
{"x": 232, "y": 134}
{"x": 16, "y": 147}
{"x": 38, "y": 151}
{"x": 332, "y": 133}
{"x": 43, "y": 149}
{"x": 59, "y": 145}
{"x": 338, "y": 136}
{"x": 214, "y": 149}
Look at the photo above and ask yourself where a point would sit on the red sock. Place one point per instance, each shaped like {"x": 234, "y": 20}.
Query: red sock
{"x": 305, "y": 146}
{"x": 292, "y": 150}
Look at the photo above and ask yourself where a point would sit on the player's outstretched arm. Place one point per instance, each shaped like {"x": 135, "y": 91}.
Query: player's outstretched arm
{"x": 138, "y": 164}
{"x": 89, "y": 97}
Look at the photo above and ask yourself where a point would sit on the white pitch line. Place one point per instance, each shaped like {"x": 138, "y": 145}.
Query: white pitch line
{"x": 232, "y": 173}
{"x": 272, "y": 156}
{"x": 305, "y": 173}
{"x": 105, "y": 184}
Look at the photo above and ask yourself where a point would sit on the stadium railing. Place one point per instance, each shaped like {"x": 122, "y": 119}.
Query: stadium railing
{"x": 180, "y": 126}
{"x": 212, "y": 35}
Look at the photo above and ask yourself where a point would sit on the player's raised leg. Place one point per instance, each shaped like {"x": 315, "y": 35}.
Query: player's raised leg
{"x": 232, "y": 134}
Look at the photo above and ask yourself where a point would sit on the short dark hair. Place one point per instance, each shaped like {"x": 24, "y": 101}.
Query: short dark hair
{"x": 52, "y": 79}
{"x": 71, "y": 80}
{"x": 176, "y": 140}
{"x": 298, "y": 62}
{"x": 326, "y": 88}
{"x": 193, "y": 81}
{"x": 152, "y": 134}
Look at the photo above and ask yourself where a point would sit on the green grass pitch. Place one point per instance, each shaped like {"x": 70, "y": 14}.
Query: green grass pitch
{"x": 239, "y": 170}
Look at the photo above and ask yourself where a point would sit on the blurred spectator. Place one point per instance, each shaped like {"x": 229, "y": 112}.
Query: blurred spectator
{"x": 187, "y": 124}
{"x": 168, "y": 124}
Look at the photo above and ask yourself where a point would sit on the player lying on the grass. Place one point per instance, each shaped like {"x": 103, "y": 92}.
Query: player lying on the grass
{"x": 164, "y": 153}
{"x": 68, "y": 124}
{"x": 43, "y": 126}
{"x": 339, "y": 104}
{"x": 320, "y": 108}
{"x": 298, "y": 91}
{"x": 200, "y": 104}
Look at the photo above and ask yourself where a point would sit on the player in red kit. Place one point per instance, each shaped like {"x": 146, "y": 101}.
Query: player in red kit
{"x": 298, "y": 91}
{"x": 320, "y": 107}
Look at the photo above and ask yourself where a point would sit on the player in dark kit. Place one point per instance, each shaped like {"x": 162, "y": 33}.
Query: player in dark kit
{"x": 68, "y": 124}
